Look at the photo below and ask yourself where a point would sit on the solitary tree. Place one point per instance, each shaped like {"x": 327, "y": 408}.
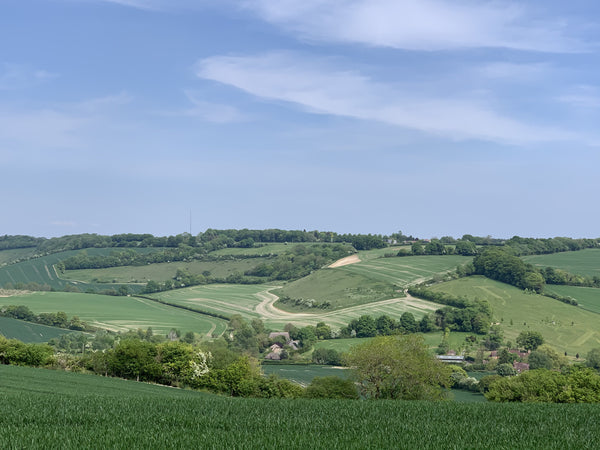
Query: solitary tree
{"x": 398, "y": 367}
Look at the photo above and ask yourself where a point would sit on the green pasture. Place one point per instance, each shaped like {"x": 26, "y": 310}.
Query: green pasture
{"x": 160, "y": 271}
{"x": 52, "y": 409}
{"x": 582, "y": 262}
{"x": 304, "y": 373}
{"x": 40, "y": 270}
{"x": 565, "y": 327}
{"x": 13, "y": 254}
{"x": 119, "y": 313}
{"x": 253, "y": 301}
{"x": 374, "y": 278}
{"x": 225, "y": 299}
{"x": 28, "y": 332}
{"x": 587, "y": 297}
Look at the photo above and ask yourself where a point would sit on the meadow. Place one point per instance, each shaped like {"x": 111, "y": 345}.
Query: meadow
{"x": 373, "y": 278}
{"x": 119, "y": 313}
{"x": 565, "y": 327}
{"x": 160, "y": 271}
{"x": 582, "y": 262}
{"x": 51, "y": 409}
{"x": 31, "y": 333}
{"x": 587, "y": 297}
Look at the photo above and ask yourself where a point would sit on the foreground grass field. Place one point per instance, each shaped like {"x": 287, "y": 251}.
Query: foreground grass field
{"x": 583, "y": 262}
{"x": 565, "y": 327}
{"x": 119, "y": 313}
{"x": 47, "y": 409}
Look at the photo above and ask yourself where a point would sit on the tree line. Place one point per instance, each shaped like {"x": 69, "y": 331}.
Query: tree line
{"x": 58, "y": 319}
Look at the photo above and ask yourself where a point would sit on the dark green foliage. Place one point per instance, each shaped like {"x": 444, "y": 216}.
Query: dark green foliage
{"x": 530, "y": 340}
{"x": 579, "y": 385}
{"x": 331, "y": 387}
{"x": 398, "y": 367}
{"x": 18, "y": 353}
{"x": 327, "y": 356}
{"x": 461, "y": 314}
{"x": 499, "y": 264}
{"x": 592, "y": 359}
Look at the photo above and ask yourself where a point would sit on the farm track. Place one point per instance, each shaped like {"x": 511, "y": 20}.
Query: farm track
{"x": 267, "y": 309}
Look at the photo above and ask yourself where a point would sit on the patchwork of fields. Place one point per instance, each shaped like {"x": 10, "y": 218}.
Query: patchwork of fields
{"x": 565, "y": 327}
{"x": 119, "y": 313}
{"x": 255, "y": 301}
{"x": 373, "y": 278}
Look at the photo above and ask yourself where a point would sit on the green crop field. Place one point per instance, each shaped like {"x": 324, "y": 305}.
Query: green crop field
{"x": 119, "y": 313}
{"x": 13, "y": 254}
{"x": 304, "y": 373}
{"x": 255, "y": 301}
{"x": 52, "y": 409}
{"x": 565, "y": 327}
{"x": 28, "y": 332}
{"x": 374, "y": 278}
{"x": 160, "y": 271}
{"x": 40, "y": 270}
{"x": 587, "y": 297}
{"x": 582, "y": 262}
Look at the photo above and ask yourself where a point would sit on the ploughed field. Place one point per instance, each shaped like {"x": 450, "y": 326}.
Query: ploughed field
{"x": 51, "y": 409}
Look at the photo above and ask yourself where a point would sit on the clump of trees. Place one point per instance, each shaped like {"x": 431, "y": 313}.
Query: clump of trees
{"x": 577, "y": 385}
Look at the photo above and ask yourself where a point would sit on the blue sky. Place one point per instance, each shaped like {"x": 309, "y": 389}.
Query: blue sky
{"x": 431, "y": 117}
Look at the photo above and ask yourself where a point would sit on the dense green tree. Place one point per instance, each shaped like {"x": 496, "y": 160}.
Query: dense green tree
{"x": 592, "y": 359}
{"x": 398, "y": 367}
{"x": 408, "y": 322}
{"x": 530, "y": 340}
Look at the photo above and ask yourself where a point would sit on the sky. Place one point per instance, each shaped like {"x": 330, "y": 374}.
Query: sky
{"x": 430, "y": 117}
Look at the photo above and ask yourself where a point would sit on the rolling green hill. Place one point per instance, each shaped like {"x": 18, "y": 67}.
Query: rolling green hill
{"x": 119, "y": 313}
{"x": 587, "y": 297}
{"x": 373, "y": 278}
{"x": 54, "y": 409}
{"x": 40, "y": 270}
{"x": 582, "y": 262}
{"x": 28, "y": 332}
{"x": 565, "y": 327}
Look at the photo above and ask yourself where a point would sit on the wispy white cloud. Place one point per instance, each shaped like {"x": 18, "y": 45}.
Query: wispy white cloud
{"x": 45, "y": 128}
{"x": 514, "y": 71}
{"x": 422, "y": 25}
{"x": 208, "y": 111}
{"x": 585, "y": 97}
{"x": 318, "y": 88}
{"x": 19, "y": 76}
